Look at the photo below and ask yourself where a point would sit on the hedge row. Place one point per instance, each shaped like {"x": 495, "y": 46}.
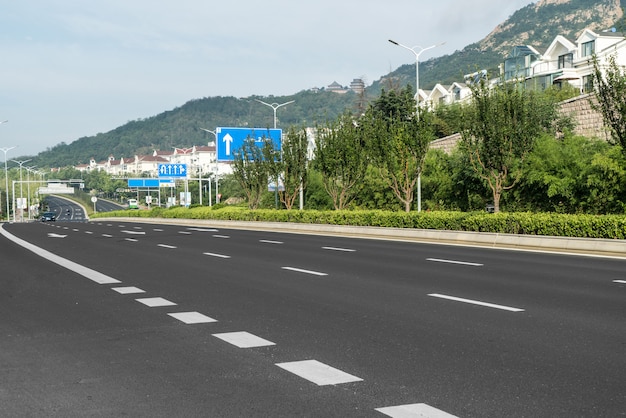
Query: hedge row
{"x": 550, "y": 224}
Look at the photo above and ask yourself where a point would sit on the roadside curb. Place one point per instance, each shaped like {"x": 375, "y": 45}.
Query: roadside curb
{"x": 578, "y": 246}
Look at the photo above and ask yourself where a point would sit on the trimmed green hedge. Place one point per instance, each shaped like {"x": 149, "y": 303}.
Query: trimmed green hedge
{"x": 550, "y": 224}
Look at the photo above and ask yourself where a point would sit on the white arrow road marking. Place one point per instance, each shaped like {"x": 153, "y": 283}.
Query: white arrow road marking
{"x": 52, "y": 235}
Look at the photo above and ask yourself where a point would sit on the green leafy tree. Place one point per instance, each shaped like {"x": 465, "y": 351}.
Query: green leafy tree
{"x": 252, "y": 167}
{"x": 500, "y": 128}
{"x": 294, "y": 165}
{"x": 341, "y": 159}
{"x": 399, "y": 138}
{"x": 610, "y": 91}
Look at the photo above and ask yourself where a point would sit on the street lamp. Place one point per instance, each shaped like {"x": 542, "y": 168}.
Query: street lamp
{"x": 216, "y": 167}
{"x": 28, "y": 171}
{"x": 6, "y": 173}
{"x": 417, "y": 101}
{"x": 274, "y": 107}
{"x": 20, "y": 163}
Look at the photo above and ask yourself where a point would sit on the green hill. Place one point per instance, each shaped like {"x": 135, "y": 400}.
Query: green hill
{"x": 536, "y": 24}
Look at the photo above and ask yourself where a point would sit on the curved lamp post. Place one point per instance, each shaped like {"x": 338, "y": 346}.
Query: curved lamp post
{"x": 417, "y": 51}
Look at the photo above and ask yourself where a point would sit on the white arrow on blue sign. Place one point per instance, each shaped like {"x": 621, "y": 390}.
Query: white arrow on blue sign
{"x": 229, "y": 140}
{"x": 172, "y": 170}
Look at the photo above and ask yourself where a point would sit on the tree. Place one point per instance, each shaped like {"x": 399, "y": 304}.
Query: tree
{"x": 252, "y": 167}
{"x": 341, "y": 159}
{"x": 400, "y": 136}
{"x": 610, "y": 91}
{"x": 294, "y": 165}
{"x": 500, "y": 128}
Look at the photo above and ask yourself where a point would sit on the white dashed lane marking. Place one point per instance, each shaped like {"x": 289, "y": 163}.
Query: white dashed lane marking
{"x": 192, "y": 317}
{"x": 166, "y": 246}
{"x": 134, "y": 232}
{"x": 314, "y": 273}
{"x": 202, "y": 229}
{"x": 268, "y": 241}
{"x": 107, "y": 236}
{"x": 131, "y": 239}
{"x": 155, "y": 302}
{"x": 184, "y": 232}
{"x": 221, "y": 236}
{"x": 464, "y": 263}
{"x": 217, "y": 255}
{"x": 477, "y": 302}
{"x": 348, "y": 250}
{"x": 126, "y": 290}
{"x": 416, "y": 410}
{"x": 619, "y": 281}
{"x": 319, "y": 373}
{"x": 243, "y": 339}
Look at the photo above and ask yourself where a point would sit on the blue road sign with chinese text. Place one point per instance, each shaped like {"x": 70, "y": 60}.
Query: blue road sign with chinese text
{"x": 229, "y": 140}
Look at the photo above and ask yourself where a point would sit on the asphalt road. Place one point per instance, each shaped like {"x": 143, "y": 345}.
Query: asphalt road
{"x": 285, "y": 325}
{"x": 65, "y": 209}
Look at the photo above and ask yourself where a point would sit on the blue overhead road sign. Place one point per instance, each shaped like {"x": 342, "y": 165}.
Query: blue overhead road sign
{"x": 150, "y": 183}
{"x": 229, "y": 140}
{"x": 172, "y": 170}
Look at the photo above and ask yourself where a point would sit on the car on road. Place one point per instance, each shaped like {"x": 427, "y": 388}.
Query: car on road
{"x": 48, "y": 217}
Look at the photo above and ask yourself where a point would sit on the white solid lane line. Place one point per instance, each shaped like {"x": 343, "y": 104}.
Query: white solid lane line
{"x": 465, "y": 263}
{"x": 92, "y": 275}
{"x": 416, "y": 410}
{"x": 318, "y": 373}
{"x": 476, "y": 302}
{"x": 243, "y": 339}
{"x": 315, "y": 273}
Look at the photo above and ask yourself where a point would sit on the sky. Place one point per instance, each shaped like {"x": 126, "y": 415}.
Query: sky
{"x": 75, "y": 68}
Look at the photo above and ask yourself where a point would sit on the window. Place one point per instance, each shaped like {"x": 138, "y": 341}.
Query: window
{"x": 588, "y": 48}
{"x": 566, "y": 61}
{"x": 587, "y": 84}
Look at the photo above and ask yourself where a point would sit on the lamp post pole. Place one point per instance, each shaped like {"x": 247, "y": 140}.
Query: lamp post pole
{"x": 20, "y": 163}
{"x": 417, "y": 54}
{"x": 274, "y": 107}
{"x": 28, "y": 202}
{"x": 6, "y": 179}
{"x": 216, "y": 167}
{"x": 6, "y": 174}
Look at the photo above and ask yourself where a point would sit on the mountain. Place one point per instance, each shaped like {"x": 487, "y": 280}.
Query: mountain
{"x": 536, "y": 24}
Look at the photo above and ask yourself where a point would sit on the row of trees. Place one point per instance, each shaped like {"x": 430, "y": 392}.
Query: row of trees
{"x": 514, "y": 143}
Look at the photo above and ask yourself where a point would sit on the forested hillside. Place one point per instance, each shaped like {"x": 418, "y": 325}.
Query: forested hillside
{"x": 536, "y": 24}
